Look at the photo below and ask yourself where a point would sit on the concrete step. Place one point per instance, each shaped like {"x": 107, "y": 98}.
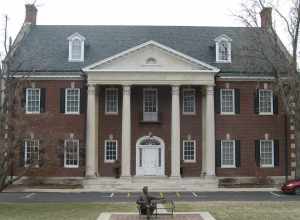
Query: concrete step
{"x": 162, "y": 184}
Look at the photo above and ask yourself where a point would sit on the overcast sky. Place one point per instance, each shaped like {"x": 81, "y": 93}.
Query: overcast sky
{"x": 121, "y": 12}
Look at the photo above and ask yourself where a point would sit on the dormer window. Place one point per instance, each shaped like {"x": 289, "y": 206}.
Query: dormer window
{"x": 76, "y": 48}
{"x": 223, "y": 49}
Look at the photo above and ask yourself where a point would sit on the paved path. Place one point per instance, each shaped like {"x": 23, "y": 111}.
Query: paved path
{"x": 132, "y": 197}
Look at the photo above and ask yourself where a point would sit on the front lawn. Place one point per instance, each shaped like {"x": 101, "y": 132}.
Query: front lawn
{"x": 60, "y": 211}
{"x": 90, "y": 211}
{"x": 245, "y": 210}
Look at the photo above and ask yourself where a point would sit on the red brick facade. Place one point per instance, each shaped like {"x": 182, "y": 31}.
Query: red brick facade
{"x": 246, "y": 127}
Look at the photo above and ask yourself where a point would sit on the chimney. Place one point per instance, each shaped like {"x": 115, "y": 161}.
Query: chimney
{"x": 31, "y": 12}
{"x": 266, "y": 18}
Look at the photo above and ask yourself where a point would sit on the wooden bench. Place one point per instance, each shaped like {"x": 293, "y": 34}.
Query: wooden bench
{"x": 156, "y": 209}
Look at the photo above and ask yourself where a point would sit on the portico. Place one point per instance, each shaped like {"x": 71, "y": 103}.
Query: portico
{"x": 150, "y": 64}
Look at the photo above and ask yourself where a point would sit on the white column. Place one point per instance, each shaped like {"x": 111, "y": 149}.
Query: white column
{"x": 203, "y": 110}
{"x": 91, "y": 132}
{"x": 175, "y": 133}
{"x": 126, "y": 133}
{"x": 210, "y": 132}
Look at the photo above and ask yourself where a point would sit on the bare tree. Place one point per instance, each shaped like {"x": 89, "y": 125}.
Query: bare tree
{"x": 271, "y": 51}
{"x": 14, "y": 127}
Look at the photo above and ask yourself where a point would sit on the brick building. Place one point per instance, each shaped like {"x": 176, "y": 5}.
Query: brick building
{"x": 161, "y": 101}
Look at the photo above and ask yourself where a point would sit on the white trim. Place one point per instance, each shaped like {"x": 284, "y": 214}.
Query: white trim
{"x": 25, "y": 152}
{"x": 156, "y": 97}
{"x": 228, "y": 40}
{"x": 233, "y": 102}
{"x": 234, "y": 159}
{"x": 105, "y": 147}
{"x": 117, "y": 98}
{"x": 245, "y": 78}
{"x": 267, "y": 165}
{"x": 65, "y": 159}
{"x": 66, "y": 102}
{"x": 52, "y": 77}
{"x": 194, "y": 103}
{"x": 272, "y": 109}
{"x": 151, "y": 42}
{"x": 73, "y": 37}
{"x": 26, "y": 105}
{"x": 183, "y": 146}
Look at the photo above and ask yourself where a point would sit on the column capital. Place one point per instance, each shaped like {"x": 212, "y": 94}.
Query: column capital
{"x": 210, "y": 90}
{"x": 175, "y": 89}
{"x": 91, "y": 89}
{"x": 126, "y": 89}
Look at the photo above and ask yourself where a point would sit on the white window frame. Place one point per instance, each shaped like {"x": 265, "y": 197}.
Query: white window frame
{"x": 66, "y": 102}
{"x": 272, "y": 110}
{"x": 234, "y": 159}
{"x": 183, "y": 151}
{"x": 156, "y": 97}
{"x": 65, "y": 153}
{"x": 25, "y": 151}
{"x": 266, "y": 165}
{"x": 227, "y": 40}
{"x": 106, "y": 101}
{"x": 76, "y": 36}
{"x": 105, "y": 151}
{"x": 194, "y": 101}
{"x": 233, "y": 102}
{"x": 39, "y": 105}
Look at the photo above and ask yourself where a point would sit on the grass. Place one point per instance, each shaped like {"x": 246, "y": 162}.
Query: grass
{"x": 60, "y": 211}
{"x": 245, "y": 210}
{"x": 90, "y": 211}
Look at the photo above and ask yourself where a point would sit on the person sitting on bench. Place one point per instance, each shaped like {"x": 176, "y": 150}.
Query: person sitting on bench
{"x": 146, "y": 203}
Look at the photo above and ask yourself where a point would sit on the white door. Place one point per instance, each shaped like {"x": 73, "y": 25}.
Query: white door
{"x": 149, "y": 161}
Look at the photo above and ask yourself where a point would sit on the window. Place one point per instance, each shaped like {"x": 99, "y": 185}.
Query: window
{"x": 228, "y": 154}
{"x": 76, "y": 48}
{"x": 227, "y": 101}
{"x": 31, "y": 152}
{"x": 189, "y": 104}
{"x": 71, "y": 153}
{"x": 266, "y": 153}
{"x": 33, "y": 96}
{"x": 110, "y": 150}
{"x": 111, "y": 101}
{"x": 189, "y": 148}
{"x": 72, "y": 101}
{"x": 265, "y": 101}
{"x": 223, "y": 49}
{"x": 150, "y": 105}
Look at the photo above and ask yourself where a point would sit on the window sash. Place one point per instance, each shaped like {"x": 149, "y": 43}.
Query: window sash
{"x": 228, "y": 154}
{"x": 227, "y": 101}
{"x": 111, "y": 101}
{"x": 76, "y": 50}
{"x": 189, "y": 101}
{"x": 189, "y": 151}
{"x": 31, "y": 153}
{"x": 111, "y": 151}
{"x": 223, "y": 51}
{"x": 72, "y": 101}
{"x": 266, "y": 153}
{"x": 265, "y": 102}
{"x": 33, "y": 100}
{"x": 71, "y": 153}
{"x": 150, "y": 105}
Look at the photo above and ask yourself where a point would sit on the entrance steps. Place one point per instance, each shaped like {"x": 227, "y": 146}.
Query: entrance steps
{"x": 156, "y": 184}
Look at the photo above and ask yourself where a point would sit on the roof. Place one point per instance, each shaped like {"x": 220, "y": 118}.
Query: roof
{"x": 45, "y": 47}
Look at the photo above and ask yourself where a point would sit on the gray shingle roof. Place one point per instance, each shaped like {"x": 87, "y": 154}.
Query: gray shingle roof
{"x": 45, "y": 48}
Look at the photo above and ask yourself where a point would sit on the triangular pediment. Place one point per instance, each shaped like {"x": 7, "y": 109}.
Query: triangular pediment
{"x": 150, "y": 56}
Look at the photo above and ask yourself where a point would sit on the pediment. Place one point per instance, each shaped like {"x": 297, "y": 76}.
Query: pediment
{"x": 150, "y": 56}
